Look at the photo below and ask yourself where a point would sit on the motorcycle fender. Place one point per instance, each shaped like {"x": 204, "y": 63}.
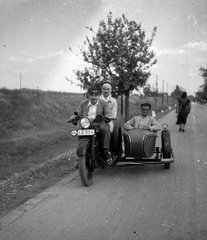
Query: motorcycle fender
{"x": 81, "y": 149}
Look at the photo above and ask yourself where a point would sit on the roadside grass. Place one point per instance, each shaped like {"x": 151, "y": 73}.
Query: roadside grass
{"x": 33, "y": 121}
{"x": 24, "y": 111}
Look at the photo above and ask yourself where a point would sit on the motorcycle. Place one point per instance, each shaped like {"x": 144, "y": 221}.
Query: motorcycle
{"x": 139, "y": 148}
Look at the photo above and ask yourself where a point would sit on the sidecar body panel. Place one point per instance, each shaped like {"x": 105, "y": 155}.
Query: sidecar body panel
{"x": 139, "y": 143}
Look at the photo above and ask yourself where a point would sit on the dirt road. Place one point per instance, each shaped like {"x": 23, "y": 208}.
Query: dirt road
{"x": 147, "y": 202}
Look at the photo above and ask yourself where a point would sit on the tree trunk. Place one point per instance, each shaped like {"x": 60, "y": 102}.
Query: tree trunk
{"x": 122, "y": 105}
{"x": 127, "y": 107}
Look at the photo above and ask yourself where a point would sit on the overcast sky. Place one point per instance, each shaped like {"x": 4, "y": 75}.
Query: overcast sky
{"x": 35, "y": 36}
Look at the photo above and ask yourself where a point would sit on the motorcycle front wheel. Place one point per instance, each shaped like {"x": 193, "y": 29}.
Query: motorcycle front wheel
{"x": 86, "y": 173}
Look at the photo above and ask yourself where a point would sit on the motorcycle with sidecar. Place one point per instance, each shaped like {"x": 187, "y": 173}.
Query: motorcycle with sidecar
{"x": 139, "y": 148}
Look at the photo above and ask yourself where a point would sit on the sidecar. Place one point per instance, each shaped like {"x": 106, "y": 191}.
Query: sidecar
{"x": 140, "y": 148}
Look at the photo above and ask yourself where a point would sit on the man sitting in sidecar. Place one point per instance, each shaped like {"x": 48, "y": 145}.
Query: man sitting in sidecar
{"x": 140, "y": 140}
{"x": 144, "y": 121}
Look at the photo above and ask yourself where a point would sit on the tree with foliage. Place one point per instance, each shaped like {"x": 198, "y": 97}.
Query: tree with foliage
{"x": 201, "y": 95}
{"x": 203, "y": 73}
{"x": 147, "y": 91}
{"x": 177, "y": 92}
{"x": 119, "y": 52}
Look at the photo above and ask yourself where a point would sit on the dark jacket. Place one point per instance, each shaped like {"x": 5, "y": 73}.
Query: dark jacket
{"x": 184, "y": 106}
{"x": 102, "y": 109}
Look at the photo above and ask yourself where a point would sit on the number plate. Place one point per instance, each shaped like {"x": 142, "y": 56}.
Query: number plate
{"x": 86, "y": 132}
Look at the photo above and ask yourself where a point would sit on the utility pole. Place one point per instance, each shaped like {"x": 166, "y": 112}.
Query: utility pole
{"x": 167, "y": 92}
{"x": 162, "y": 91}
{"x": 172, "y": 95}
{"x": 156, "y": 94}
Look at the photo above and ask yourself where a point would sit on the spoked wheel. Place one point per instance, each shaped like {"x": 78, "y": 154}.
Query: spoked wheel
{"x": 167, "y": 165}
{"x": 166, "y": 146}
{"x": 116, "y": 138}
{"x": 85, "y": 171}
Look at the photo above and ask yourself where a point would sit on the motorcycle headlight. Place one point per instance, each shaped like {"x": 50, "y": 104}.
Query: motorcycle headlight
{"x": 85, "y": 122}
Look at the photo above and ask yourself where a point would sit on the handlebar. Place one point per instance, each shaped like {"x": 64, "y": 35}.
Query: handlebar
{"x": 98, "y": 119}
{"x": 74, "y": 121}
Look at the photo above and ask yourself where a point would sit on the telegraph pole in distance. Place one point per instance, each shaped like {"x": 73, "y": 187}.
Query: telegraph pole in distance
{"x": 156, "y": 94}
{"x": 172, "y": 95}
{"x": 162, "y": 91}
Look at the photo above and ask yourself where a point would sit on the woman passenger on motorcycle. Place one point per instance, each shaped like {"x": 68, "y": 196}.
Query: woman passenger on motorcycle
{"x": 112, "y": 103}
{"x": 106, "y": 96}
{"x": 115, "y": 126}
{"x": 91, "y": 107}
{"x": 144, "y": 121}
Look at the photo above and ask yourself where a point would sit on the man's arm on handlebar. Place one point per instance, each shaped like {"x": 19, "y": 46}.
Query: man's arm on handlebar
{"x": 74, "y": 118}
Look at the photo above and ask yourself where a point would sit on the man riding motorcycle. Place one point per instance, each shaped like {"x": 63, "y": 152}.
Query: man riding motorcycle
{"x": 92, "y": 107}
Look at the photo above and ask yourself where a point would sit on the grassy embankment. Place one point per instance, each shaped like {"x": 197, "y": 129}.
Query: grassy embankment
{"x": 33, "y": 121}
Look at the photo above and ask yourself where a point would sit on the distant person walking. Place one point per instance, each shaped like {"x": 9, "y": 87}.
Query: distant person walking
{"x": 184, "y": 107}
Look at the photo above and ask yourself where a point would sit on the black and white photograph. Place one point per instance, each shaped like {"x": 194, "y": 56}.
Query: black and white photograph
{"x": 103, "y": 108}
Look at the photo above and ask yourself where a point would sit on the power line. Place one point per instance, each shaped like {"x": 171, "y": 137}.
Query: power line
{"x": 68, "y": 16}
{"x": 50, "y": 16}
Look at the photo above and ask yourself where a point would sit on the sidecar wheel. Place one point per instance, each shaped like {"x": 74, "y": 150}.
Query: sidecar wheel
{"x": 116, "y": 138}
{"x": 86, "y": 174}
{"x": 167, "y": 165}
{"x": 166, "y": 144}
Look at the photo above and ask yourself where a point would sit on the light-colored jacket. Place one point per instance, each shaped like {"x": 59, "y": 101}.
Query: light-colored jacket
{"x": 112, "y": 105}
{"x": 140, "y": 122}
